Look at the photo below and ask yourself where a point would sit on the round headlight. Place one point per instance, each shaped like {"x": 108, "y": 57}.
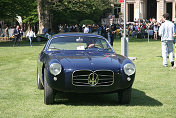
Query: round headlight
{"x": 55, "y": 68}
{"x": 129, "y": 69}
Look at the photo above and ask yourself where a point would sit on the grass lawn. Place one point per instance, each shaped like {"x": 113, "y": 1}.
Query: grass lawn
{"x": 153, "y": 94}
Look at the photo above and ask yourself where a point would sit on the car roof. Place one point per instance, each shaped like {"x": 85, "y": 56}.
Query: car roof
{"x": 77, "y": 34}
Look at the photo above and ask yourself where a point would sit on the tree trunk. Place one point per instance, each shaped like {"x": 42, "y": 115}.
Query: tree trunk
{"x": 43, "y": 14}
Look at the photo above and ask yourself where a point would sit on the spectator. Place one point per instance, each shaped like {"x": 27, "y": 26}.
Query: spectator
{"x": 99, "y": 29}
{"x": 103, "y": 30}
{"x": 76, "y": 28}
{"x": 31, "y": 36}
{"x": 17, "y": 35}
{"x": 7, "y": 32}
{"x": 83, "y": 26}
{"x": 90, "y": 28}
{"x": 86, "y": 29}
{"x": 44, "y": 30}
{"x": 69, "y": 28}
{"x": 80, "y": 29}
{"x": 136, "y": 30}
{"x": 166, "y": 31}
{"x": 113, "y": 33}
{"x": 110, "y": 34}
{"x": 155, "y": 29}
{"x": 120, "y": 33}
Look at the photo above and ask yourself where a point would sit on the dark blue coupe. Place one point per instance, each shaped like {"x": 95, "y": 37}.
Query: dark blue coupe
{"x": 83, "y": 63}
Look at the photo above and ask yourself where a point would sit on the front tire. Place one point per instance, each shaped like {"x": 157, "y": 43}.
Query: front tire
{"x": 124, "y": 96}
{"x": 48, "y": 91}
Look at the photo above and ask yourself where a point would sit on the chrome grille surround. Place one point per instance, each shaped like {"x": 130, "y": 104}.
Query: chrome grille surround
{"x": 81, "y": 78}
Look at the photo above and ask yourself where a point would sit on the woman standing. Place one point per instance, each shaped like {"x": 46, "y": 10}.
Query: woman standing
{"x": 31, "y": 35}
{"x": 155, "y": 29}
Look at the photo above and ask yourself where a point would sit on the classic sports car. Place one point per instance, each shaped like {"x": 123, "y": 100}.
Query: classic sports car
{"x": 83, "y": 63}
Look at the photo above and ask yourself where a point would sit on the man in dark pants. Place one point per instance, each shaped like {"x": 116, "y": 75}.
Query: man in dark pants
{"x": 110, "y": 34}
{"x": 17, "y": 35}
{"x": 113, "y": 33}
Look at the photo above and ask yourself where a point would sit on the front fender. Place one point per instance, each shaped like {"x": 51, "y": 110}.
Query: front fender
{"x": 126, "y": 80}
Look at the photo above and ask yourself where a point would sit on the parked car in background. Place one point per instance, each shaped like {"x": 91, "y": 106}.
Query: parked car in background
{"x": 83, "y": 63}
{"x": 42, "y": 37}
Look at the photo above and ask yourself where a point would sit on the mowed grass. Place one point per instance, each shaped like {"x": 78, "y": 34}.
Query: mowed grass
{"x": 153, "y": 94}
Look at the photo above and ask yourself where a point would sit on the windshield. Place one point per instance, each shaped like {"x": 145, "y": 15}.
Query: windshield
{"x": 79, "y": 43}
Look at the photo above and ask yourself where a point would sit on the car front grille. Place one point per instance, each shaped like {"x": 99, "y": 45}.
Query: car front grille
{"x": 93, "y": 78}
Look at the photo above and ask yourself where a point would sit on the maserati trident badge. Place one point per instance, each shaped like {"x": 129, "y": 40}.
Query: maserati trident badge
{"x": 93, "y": 79}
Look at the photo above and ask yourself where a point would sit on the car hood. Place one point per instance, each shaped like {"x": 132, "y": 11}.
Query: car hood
{"x": 88, "y": 60}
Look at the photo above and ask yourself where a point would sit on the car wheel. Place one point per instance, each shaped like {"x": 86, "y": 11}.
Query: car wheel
{"x": 48, "y": 92}
{"x": 124, "y": 96}
{"x": 39, "y": 84}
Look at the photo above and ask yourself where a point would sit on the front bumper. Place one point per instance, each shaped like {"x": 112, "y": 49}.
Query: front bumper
{"x": 64, "y": 83}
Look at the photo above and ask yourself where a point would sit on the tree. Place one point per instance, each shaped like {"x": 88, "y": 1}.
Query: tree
{"x": 74, "y": 11}
{"x": 10, "y": 9}
{"x": 81, "y": 9}
{"x": 62, "y": 11}
{"x": 43, "y": 14}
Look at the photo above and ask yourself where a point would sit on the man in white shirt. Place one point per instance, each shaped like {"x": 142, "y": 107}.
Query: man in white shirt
{"x": 86, "y": 29}
{"x": 166, "y": 32}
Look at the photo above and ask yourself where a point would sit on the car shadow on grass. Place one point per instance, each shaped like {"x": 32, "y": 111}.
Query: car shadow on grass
{"x": 139, "y": 98}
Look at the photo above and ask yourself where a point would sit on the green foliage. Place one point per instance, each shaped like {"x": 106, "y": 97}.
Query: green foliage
{"x": 5, "y": 9}
{"x": 27, "y": 9}
{"x": 87, "y": 22}
{"x": 79, "y": 9}
{"x": 32, "y": 19}
{"x": 64, "y": 11}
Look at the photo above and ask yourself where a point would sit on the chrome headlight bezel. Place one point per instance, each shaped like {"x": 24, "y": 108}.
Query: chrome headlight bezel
{"x": 129, "y": 69}
{"x": 55, "y": 68}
